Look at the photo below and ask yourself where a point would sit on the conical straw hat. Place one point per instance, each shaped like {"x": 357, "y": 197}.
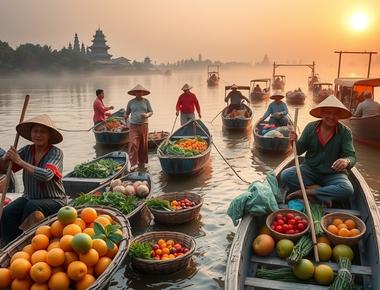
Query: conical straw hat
{"x": 25, "y": 128}
{"x": 277, "y": 95}
{"x": 233, "y": 86}
{"x": 186, "y": 87}
{"x": 331, "y": 102}
{"x": 139, "y": 88}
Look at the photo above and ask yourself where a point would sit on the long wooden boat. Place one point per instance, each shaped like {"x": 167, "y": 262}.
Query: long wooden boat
{"x": 213, "y": 75}
{"x": 321, "y": 91}
{"x": 265, "y": 90}
{"x": 238, "y": 122}
{"x": 156, "y": 138}
{"x": 349, "y": 91}
{"x": 242, "y": 263}
{"x": 13, "y": 184}
{"x": 106, "y": 137}
{"x": 296, "y": 97}
{"x": 180, "y": 165}
{"x": 75, "y": 185}
{"x": 270, "y": 144}
{"x": 278, "y": 82}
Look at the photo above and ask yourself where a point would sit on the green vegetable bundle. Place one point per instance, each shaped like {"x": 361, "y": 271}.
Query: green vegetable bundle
{"x": 159, "y": 204}
{"x": 280, "y": 274}
{"x": 300, "y": 250}
{"x": 172, "y": 149}
{"x": 125, "y": 204}
{"x": 98, "y": 169}
{"x": 140, "y": 250}
{"x": 344, "y": 280}
{"x": 317, "y": 213}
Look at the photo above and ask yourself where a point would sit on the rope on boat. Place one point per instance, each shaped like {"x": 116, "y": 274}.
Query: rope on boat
{"x": 221, "y": 155}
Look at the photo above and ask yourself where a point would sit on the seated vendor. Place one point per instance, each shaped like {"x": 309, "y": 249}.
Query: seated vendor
{"x": 277, "y": 110}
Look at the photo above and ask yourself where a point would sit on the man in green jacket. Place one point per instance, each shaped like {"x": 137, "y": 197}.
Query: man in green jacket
{"x": 329, "y": 154}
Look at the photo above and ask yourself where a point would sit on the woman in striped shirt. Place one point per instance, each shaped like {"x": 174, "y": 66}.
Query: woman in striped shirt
{"x": 42, "y": 164}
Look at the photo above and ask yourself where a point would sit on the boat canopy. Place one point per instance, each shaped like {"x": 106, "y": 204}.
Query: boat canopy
{"x": 279, "y": 76}
{"x": 261, "y": 80}
{"x": 352, "y": 82}
{"x": 238, "y": 87}
{"x": 322, "y": 84}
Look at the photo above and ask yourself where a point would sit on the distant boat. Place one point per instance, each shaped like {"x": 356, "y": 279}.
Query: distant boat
{"x": 321, "y": 91}
{"x": 213, "y": 75}
{"x": 296, "y": 97}
{"x": 278, "y": 82}
{"x": 263, "y": 93}
{"x": 237, "y": 122}
{"x": 312, "y": 80}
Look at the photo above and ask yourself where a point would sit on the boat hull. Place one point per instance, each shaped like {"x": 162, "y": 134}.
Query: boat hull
{"x": 155, "y": 142}
{"x": 259, "y": 96}
{"x": 295, "y": 98}
{"x": 111, "y": 138}
{"x": 270, "y": 144}
{"x": 237, "y": 123}
{"x": 212, "y": 83}
{"x": 278, "y": 86}
{"x": 180, "y": 165}
{"x": 365, "y": 130}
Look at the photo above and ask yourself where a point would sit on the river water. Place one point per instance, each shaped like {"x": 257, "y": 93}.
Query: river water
{"x": 68, "y": 100}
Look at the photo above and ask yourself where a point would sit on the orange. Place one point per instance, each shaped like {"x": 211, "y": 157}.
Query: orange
{"x": 333, "y": 229}
{"x": 350, "y": 224}
{"x": 5, "y": 278}
{"x": 165, "y": 251}
{"x": 38, "y": 256}
{"x": 71, "y": 229}
{"x": 20, "y": 268}
{"x": 104, "y": 221}
{"x": 336, "y": 222}
{"x": 44, "y": 230}
{"x": 55, "y": 257}
{"x": 59, "y": 281}
{"x": 323, "y": 239}
{"x": 65, "y": 243}
{"x": 81, "y": 243}
{"x": 91, "y": 225}
{"x": 344, "y": 232}
{"x": 102, "y": 265}
{"x": 70, "y": 257}
{"x": 28, "y": 249}
{"x": 77, "y": 270}
{"x": 56, "y": 229}
{"x": 342, "y": 226}
{"x": 354, "y": 232}
{"x": 88, "y": 214}
{"x": 90, "y": 258}
{"x": 53, "y": 245}
{"x": 89, "y": 231}
{"x": 40, "y": 272}
{"x": 86, "y": 282}
{"x": 67, "y": 215}
{"x": 21, "y": 284}
{"x": 23, "y": 255}
{"x": 107, "y": 217}
{"x": 38, "y": 286}
{"x": 160, "y": 241}
{"x": 163, "y": 245}
{"x": 80, "y": 223}
{"x": 100, "y": 246}
{"x": 40, "y": 242}
{"x": 112, "y": 253}
{"x": 56, "y": 270}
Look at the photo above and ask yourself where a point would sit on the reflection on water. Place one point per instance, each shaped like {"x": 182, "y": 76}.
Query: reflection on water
{"x": 69, "y": 102}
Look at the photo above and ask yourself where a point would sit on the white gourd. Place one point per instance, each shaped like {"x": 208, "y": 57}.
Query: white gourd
{"x": 142, "y": 190}
{"x": 129, "y": 190}
{"x": 119, "y": 188}
{"x": 115, "y": 183}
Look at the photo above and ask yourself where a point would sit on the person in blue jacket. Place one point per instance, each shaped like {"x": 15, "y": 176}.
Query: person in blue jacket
{"x": 277, "y": 110}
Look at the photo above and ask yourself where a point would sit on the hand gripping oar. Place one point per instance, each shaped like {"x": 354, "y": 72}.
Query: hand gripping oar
{"x": 304, "y": 195}
{"x": 9, "y": 169}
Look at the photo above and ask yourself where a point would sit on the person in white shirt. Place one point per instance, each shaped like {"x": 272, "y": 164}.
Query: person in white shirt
{"x": 368, "y": 107}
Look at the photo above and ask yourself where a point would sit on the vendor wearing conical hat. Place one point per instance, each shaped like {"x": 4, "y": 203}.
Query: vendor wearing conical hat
{"x": 42, "y": 165}
{"x": 186, "y": 104}
{"x": 138, "y": 111}
{"x": 277, "y": 110}
{"x": 329, "y": 154}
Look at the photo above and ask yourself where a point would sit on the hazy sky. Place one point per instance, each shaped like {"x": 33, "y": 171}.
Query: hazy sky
{"x": 168, "y": 30}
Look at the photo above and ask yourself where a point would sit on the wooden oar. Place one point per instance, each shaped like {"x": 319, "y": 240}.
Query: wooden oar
{"x": 217, "y": 115}
{"x": 9, "y": 169}
{"x": 304, "y": 195}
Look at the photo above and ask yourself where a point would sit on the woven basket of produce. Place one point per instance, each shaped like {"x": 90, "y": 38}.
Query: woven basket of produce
{"x": 60, "y": 251}
{"x": 287, "y": 224}
{"x": 181, "y": 207}
{"x": 343, "y": 228}
{"x": 161, "y": 252}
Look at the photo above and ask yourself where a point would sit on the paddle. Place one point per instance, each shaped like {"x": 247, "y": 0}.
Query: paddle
{"x": 217, "y": 115}
{"x": 9, "y": 169}
{"x": 304, "y": 195}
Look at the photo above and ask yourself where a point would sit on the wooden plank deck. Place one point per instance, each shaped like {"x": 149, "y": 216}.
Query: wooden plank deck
{"x": 279, "y": 285}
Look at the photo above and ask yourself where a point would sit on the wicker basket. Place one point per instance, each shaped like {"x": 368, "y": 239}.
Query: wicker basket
{"x": 328, "y": 219}
{"x": 164, "y": 266}
{"x": 181, "y": 216}
{"x": 103, "y": 280}
{"x": 279, "y": 236}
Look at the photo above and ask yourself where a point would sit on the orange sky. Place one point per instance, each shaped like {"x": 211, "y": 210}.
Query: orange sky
{"x": 168, "y": 30}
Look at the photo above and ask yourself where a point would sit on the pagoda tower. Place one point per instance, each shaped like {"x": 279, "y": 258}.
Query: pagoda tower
{"x": 99, "y": 49}
{"x": 70, "y": 46}
{"x": 83, "y": 49}
{"x": 76, "y": 47}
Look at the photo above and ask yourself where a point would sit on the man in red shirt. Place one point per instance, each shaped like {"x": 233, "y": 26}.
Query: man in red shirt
{"x": 100, "y": 111}
{"x": 186, "y": 104}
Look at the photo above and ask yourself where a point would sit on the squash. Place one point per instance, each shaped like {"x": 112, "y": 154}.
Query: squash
{"x": 142, "y": 191}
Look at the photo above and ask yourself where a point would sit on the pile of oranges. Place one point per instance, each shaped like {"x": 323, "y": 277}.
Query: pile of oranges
{"x": 346, "y": 228}
{"x": 196, "y": 145}
{"x": 167, "y": 250}
{"x": 62, "y": 255}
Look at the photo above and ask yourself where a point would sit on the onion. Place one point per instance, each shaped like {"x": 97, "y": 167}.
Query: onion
{"x": 129, "y": 190}
{"x": 119, "y": 188}
{"x": 136, "y": 184}
{"x": 115, "y": 183}
{"x": 142, "y": 190}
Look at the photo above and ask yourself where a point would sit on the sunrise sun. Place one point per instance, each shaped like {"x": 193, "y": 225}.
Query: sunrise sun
{"x": 359, "y": 21}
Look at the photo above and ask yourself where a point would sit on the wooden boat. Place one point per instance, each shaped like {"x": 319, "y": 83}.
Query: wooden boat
{"x": 180, "y": 165}
{"x": 242, "y": 263}
{"x": 296, "y": 97}
{"x": 263, "y": 93}
{"x": 156, "y": 138}
{"x": 311, "y": 80}
{"x": 133, "y": 176}
{"x": 239, "y": 122}
{"x": 278, "y": 82}
{"x": 75, "y": 185}
{"x": 270, "y": 144}
{"x": 13, "y": 184}
{"x": 321, "y": 91}
{"x": 349, "y": 91}
{"x": 213, "y": 75}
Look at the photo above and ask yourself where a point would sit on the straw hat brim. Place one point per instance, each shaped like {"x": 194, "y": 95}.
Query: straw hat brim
{"x": 277, "y": 96}
{"x": 133, "y": 92}
{"x": 331, "y": 102}
{"x": 25, "y": 128}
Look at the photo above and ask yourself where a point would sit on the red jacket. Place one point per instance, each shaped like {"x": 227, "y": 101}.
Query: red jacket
{"x": 186, "y": 103}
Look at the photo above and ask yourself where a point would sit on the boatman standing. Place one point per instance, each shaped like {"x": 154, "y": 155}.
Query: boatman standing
{"x": 100, "y": 110}
{"x": 186, "y": 104}
{"x": 235, "y": 98}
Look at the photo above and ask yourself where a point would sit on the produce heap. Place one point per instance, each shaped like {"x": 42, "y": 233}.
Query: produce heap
{"x": 161, "y": 204}
{"x": 70, "y": 253}
{"x": 238, "y": 114}
{"x": 97, "y": 169}
{"x": 185, "y": 147}
{"x": 115, "y": 124}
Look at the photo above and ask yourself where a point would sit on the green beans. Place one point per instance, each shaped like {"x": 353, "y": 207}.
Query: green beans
{"x": 281, "y": 274}
{"x": 317, "y": 213}
{"x": 300, "y": 250}
{"x": 344, "y": 280}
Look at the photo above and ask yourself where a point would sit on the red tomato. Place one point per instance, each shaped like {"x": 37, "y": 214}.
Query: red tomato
{"x": 280, "y": 222}
{"x": 279, "y": 216}
{"x": 273, "y": 227}
{"x": 279, "y": 229}
{"x": 275, "y": 223}
{"x": 285, "y": 227}
{"x": 304, "y": 221}
{"x": 289, "y": 216}
{"x": 297, "y": 217}
{"x": 291, "y": 227}
{"x": 300, "y": 226}
{"x": 296, "y": 231}
{"x": 291, "y": 232}
{"x": 292, "y": 222}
